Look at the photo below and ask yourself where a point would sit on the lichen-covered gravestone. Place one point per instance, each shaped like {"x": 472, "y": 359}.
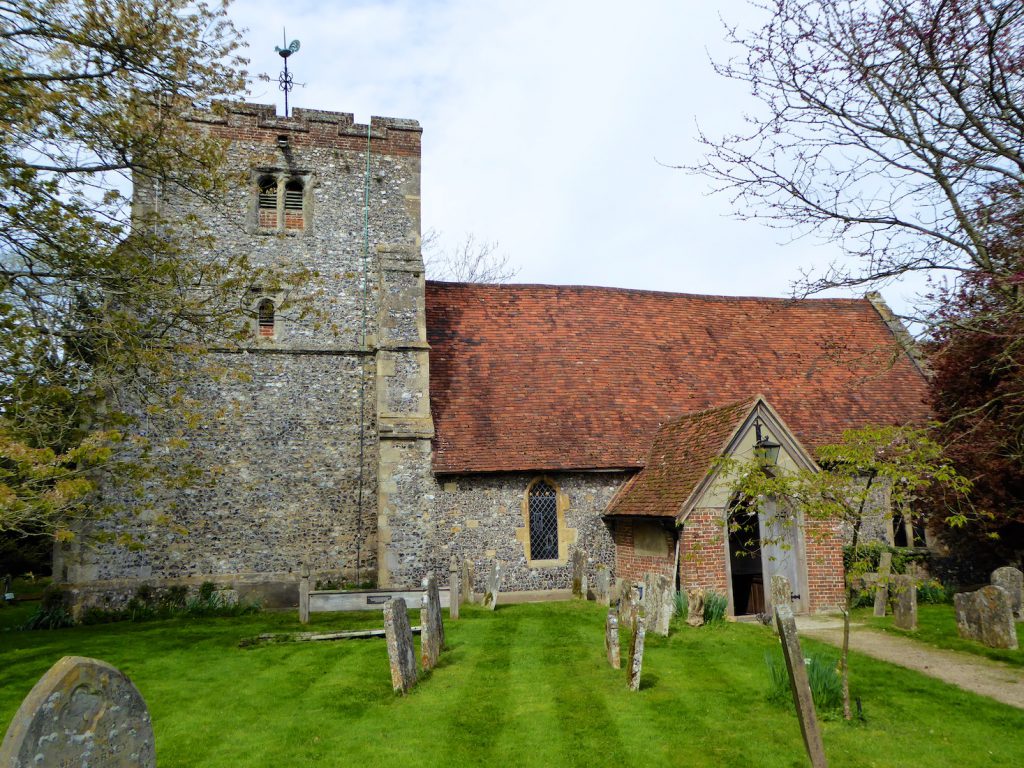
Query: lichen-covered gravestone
{"x": 882, "y": 583}
{"x": 779, "y": 592}
{"x": 611, "y": 640}
{"x": 636, "y": 651}
{"x": 634, "y": 603}
{"x": 1012, "y": 580}
{"x": 695, "y": 606}
{"x": 905, "y": 591}
{"x": 82, "y": 712}
{"x": 401, "y": 653}
{"x": 467, "y": 580}
{"x": 579, "y": 561}
{"x": 602, "y": 585}
{"x": 985, "y": 616}
{"x": 454, "y": 589}
{"x": 493, "y": 586}
{"x": 799, "y": 685}
{"x": 431, "y": 626}
{"x": 664, "y": 605}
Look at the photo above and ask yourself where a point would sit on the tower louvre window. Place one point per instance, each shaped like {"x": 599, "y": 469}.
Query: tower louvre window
{"x": 293, "y": 214}
{"x": 267, "y": 202}
{"x": 265, "y": 318}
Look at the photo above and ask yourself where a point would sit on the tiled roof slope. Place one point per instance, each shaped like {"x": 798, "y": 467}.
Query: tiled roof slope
{"x": 535, "y": 377}
{"x": 683, "y": 452}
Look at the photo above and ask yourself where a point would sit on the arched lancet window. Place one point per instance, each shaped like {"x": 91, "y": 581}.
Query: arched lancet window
{"x": 293, "y": 193}
{"x": 265, "y": 318}
{"x": 543, "y": 522}
{"x": 267, "y": 202}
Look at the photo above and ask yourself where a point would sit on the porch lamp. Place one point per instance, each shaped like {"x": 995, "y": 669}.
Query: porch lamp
{"x": 765, "y": 449}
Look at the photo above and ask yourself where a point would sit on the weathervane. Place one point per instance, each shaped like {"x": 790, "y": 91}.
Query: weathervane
{"x": 284, "y": 80}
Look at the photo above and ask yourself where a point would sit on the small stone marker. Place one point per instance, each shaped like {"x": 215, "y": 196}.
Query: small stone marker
{"x": 493, "y": 585}
{"x": 799, "y": 685}
{"x": 611, "y": 640}
{"x": 636, "y": 651}
{"x": 695, "y": 606}
{"x": 905, "y": 591}
{"x": 985, "y": 616}
{"x": 1012, "y": 580}
{"x": 401, "y": 653}
{"x": 779, "y": 592}
{"x": 467, "y": 580}
{"x": 579, "y": 561}
{"x": 304, "y": 594}
{"x": 82, "y": 712}
{"x": 454, "y": 589}
{"x": 602, "y": 586}
{"x": 882, "y": 584}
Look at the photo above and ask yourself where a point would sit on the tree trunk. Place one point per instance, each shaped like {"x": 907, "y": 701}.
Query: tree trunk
{"x": 844, "y": 665}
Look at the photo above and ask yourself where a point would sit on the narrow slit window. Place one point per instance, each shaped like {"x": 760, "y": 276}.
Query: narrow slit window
{"x": 543, "y": 522}
{"x": 267, "y": 203}
{"x": 293, "y": 195}
{"x": 265, "y": 318}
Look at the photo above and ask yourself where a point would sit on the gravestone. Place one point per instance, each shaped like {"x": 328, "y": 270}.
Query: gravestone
{"x": 82, "y": 712}
{"x": 611, "y": 640}
{"x": 467, "y": 580}
{"x": 304, "y": 594}
{"x": 799, "y": 685}
{"x": 620, "y": 592}
{"x": 429, "y": 585}
{"x": 664, "y": 605}
{"x": 492, "y": 585}
{"x": 401, "y": 653}
{"x": 904, "y": 589}
{"x": 636, "y": 651}
{"x": 454, "y": 589}
{"x": 602, "y": 585}
{"x": 695, "y": 606}
{"x": 633, "y": 604}
{"x": 1012, "y": 580}
{"x": 985, "y": 616}
{"x": 882, "y": 584}
{"x": 779, "y": 592}
{"x": 579, "y": 562}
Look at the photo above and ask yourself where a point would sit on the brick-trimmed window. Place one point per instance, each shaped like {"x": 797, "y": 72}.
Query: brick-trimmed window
{"x": 294, "y": 205}
{"x": 265, "y": 319}
{"x": 282, "y": 203}
{"x": 266, "y": 202}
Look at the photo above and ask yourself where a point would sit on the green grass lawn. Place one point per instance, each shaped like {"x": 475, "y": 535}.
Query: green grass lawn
{"x": 527, "y": 685}
{"x": 936, "y": 625}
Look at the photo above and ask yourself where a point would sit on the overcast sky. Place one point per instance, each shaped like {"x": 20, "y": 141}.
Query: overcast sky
{"x": 547, "y": 126}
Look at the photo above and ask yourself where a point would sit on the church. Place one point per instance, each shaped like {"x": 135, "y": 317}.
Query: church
{"x": 378, "y": 425}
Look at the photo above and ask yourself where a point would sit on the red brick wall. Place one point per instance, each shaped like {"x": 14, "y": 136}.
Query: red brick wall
{"x": 823, "y": 545}
{"x": 702, "y": 552}
{"x": 631, "y": 565}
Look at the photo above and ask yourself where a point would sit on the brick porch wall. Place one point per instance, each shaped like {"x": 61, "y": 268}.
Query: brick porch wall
{"x": 632, "y": 565}
{"x": 823, "y": 543}
{"x": 702, "y": 552}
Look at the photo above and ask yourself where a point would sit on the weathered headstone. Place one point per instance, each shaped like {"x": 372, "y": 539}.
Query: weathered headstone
{"x": 695, "y": 606}
{"x": 1012, "y": 580}
{"x": 620, "y": 593}
{"x": 454, "y": 589}
{"x": 636, "y": 651}
{"x": 799, "y": 685}
{"x": 904, "y": 589}
{"x": 611, "y": 640}
{"x": 665, "y": 604}
{"x": 636, "y": 596}
{"x": 579, "y": 562}
{"x": 430, "y": 641}
{"x": 492, "y": 586}
{"x": 602, "y": 585}
{"x": 779, "y": 592}
{"x": 82, "y": 712}
{"x": 467, "y": 580}
{"x": 304, "y": 594}
{"x": 985, "y": 616}
{"x": 434, "y": 596}
{"x": 401, "y": 653}
{"x": 882, "y": 584}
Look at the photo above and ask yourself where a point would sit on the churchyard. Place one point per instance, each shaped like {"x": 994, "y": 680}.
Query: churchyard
{"x": 525, "y": 684}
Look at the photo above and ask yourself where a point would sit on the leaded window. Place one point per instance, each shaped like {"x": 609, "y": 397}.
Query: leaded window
{"x": 543, "y": 522}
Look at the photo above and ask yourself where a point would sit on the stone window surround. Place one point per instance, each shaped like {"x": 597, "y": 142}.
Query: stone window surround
{"x": 276, "y": 298}
{"x": 282, "y": 177}
{"x": 566, "y": 535}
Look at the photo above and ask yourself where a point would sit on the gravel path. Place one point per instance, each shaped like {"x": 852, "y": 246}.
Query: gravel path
{"x": 972, "y": 673}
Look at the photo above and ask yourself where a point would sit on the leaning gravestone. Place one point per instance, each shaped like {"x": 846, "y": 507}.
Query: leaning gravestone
{"x": 492, "y": 586}
{"x": 401, "y": 653}
{"x": 799, "y": 685}
{"x": 695, "y": 606}
{"x": 602, "y": 585}
{"x": 82, "y": 712}
{"x": 579, "y": 578}
{"x": 611, "y": 640}
{"x": 882, "y": 583}
{"x": 905, "y": 590}
{"x": 1012, "y": 580}
{"x": 779, "y": 592}
{"x": 636, "y": 651}
{"x": 985, "y": 616}
{"x": 454, "y": 589}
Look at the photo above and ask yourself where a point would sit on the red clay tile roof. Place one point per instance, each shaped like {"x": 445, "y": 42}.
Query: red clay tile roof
{"x": 683, "y": 452}
{"x": 535, "y": 377}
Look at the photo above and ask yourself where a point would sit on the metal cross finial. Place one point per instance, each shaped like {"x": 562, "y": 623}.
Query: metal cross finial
{"x": 284, "y": 81}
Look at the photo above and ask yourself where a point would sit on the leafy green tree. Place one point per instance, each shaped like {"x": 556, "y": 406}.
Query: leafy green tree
{"x": 855, "y": 477}
{"x": 100, "y": 297}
